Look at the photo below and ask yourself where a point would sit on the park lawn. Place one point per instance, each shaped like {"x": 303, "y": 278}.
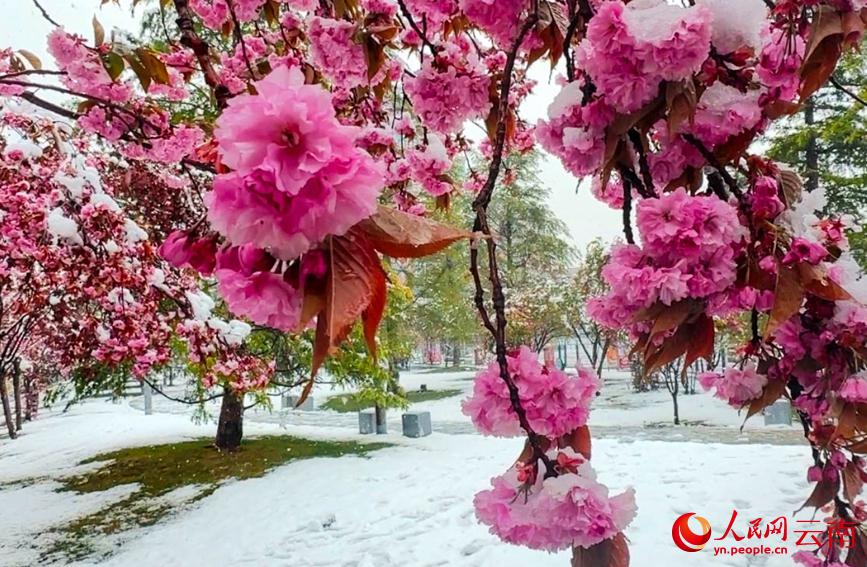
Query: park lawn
{"x": 348, "y": 403}
{"x": 169, "y": 477}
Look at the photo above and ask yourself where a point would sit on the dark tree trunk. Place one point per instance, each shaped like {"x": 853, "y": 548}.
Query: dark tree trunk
{"x": 7, "y": 410}
{"x": 230, "y": 428}
{"x": 381, "y": 425}
{"x": 16, "y": 392}
{"x": 811, "y": 152}
{"x": 676, "y": 409}
{"x": 456, "y": 355}
{"x": 31, "y": 398}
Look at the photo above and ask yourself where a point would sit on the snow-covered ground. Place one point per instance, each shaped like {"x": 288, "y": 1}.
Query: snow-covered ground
{"x": 410, "y": 504}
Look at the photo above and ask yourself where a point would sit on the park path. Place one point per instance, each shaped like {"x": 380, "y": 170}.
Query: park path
{"x": 626, "y": 433}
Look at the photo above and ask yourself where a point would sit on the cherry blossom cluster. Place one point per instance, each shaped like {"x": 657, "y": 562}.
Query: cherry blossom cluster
{"x": 555, "y": 402}
{"x": 689, "y": 247}
{"x": 569, "y": 510}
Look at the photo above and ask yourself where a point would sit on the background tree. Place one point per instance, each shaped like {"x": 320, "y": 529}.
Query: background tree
{"x": 536, "y": 253}
{"x": 827, "y": 143}
{"x": 587, "y": 282}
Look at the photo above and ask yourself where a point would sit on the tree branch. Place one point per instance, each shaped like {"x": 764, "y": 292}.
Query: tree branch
{"x": 191, "y": 40}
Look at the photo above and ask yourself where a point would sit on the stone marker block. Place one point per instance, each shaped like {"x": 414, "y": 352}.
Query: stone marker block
{"x": 422, "y": 388}
{"x": 290, "y": 401}
{"x": 779, "y": 413}
{"x": 416, "y": 424}
{"x": 367, "y": 422}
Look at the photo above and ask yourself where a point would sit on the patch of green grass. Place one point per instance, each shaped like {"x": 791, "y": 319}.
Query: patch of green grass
{"x": 160, "y": 469}
{"x": 348, "y": 403}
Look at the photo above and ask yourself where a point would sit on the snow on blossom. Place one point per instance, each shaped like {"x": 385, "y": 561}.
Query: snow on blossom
{"x": 428, "y": 166}
{"x": 555, "y": 402}
{"x": 62, "y": 226}
{"x": 449, "y": 90}
{"x": 737, "y": 23}
{"x": 552, "y": 514}
{"x": 201, "y": 303}
{"x": 298, "y": 176}
{"x": 735, "y": 386}
{"x": 723, "y": 112}
{"x": 629, "y": 49}
{"x": 336, "y": 53}
{"x": 574, "y": 132}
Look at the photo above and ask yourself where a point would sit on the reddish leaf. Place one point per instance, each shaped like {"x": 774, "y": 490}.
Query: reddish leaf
{"x": 824, "y": 492}
{"x": 788, "y": 296}
{"x": 402, "y": 235}
{"x": 672, "y": 316}
{"x": 579, "y": 441}
{"x": 830, "y": 32}
{"x": 817, "y": 282}
{"x": 846, "y": 422}
{"x": 770, "y": 394}
{"x": 701, "y": 345}
{"x": 670, "y": 350}
{"x": 352, "y": 285}
{"x": 852, "y": 483}
{"x": 372, "y": 316}
{"x": 680, "y": 100}
{"x": 305, "y": 393}
{"x": 612, "y": 552}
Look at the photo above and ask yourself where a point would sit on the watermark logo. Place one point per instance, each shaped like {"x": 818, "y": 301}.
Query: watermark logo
{"x": 685, "y": 538}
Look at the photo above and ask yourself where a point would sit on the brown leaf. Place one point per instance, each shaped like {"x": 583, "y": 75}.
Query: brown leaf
{"x": 672, "y": 316}
{"x": 701, "y": 346}
{"x": 788, "y": 297}
{"x": 670, "y": 350}
{"x": 791, "y": 184}
{"x": 817, "y": 282}
{"x": 144, "y": 76}
{"x": 612, "y": 552}
{"x": 31, "y": 57}
{"x": 352, "y": 284}
{"x": 402, "y": 235}
{"x": 372, "y": 316}
{"x": 772, "y": 392}
{"x": 580, "y": 442}
{"x": 852, "y": 483}
{"x": 857, "y": 556}
{"x": 154, "y": 65}
{"x": 680, "y": 100}
{"x": 829, "y": 33}
{"x": 98, "y": 33}
{"x": 824, "y": 492}
{"x": 305, "y": 393}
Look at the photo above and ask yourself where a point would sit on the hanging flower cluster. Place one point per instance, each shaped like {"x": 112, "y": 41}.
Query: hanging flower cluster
{"x": 555, "y": 403}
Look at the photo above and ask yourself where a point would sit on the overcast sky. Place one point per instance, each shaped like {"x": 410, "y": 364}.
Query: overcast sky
{"x": 22, "y": 27}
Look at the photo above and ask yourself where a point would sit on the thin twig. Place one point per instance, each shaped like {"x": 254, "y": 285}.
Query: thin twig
{"x": 844, "y": 89}
{"x": 711, "y": 159}
{"x": 45, "y": 14}
{"x": 497, "y": 328}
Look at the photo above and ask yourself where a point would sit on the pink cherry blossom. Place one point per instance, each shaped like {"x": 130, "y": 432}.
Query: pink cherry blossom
{"x": 555, "y": 402}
